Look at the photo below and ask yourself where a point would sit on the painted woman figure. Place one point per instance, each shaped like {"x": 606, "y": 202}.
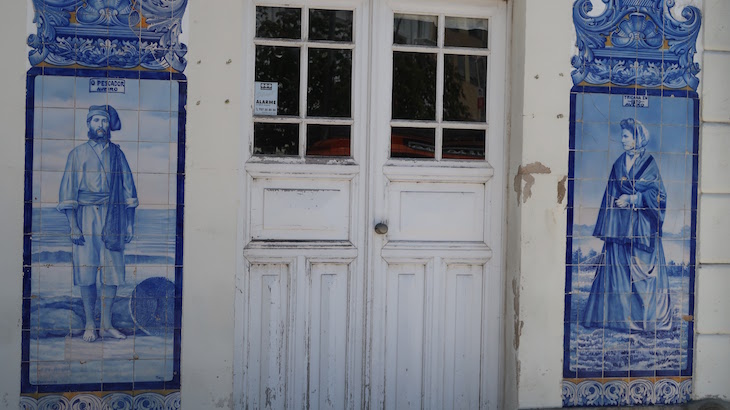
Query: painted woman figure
{"x": 631, "y": 289}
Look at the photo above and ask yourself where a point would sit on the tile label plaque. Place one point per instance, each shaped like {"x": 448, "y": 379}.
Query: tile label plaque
{"x": 641, "y": 101}
{"x": 103, "y": 85}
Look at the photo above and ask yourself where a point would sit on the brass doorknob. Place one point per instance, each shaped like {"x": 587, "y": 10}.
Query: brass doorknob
{"x": 381, "y": 228}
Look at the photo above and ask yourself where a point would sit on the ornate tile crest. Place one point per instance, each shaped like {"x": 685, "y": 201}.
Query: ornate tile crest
{"x": 109, "y": 33}
{"x": 636, "y": 42}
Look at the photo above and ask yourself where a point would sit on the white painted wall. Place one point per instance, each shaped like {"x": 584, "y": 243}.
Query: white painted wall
{"x": 543, "y": 38}
{"x": 212, "y": 201}
{"x": 542, "y": 44}
{"x": 12, "y": 159}
{"x": 712, "y": 328}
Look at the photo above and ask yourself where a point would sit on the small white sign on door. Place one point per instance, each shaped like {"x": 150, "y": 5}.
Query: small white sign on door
{"x": 266, "y": 98}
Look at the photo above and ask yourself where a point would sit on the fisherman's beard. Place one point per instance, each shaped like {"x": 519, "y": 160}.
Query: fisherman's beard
{"x": 98, "y": 137}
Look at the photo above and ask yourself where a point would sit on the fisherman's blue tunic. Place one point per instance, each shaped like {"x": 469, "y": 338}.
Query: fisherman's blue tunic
{"x": 86, "y": 188}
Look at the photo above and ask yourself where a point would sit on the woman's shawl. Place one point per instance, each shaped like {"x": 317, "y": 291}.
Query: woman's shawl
{"x": 640, "y": 224}
{"x": 115, "y": 225}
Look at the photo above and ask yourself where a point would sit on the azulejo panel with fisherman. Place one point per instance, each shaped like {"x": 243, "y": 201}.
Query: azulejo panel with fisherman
{"x": 103, "y": 243}
{"x": 105, "y": 135}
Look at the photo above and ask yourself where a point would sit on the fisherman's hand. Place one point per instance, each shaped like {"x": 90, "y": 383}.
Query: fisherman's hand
{"x": 129, "y": 235}
{"x": 76, "y": 236}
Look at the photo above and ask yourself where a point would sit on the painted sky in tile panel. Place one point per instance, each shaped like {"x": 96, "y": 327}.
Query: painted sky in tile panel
{"x": 148, "y": 136}
{"x": 598, "y": 145}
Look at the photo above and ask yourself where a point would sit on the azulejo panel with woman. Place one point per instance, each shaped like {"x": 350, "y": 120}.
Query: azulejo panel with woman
{"x": 631, "y": 223}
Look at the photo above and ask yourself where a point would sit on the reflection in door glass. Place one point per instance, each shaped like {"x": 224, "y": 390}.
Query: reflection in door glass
{"x": 465, "y": 84}
{"x": 280, "y": 65}
{"x": 328, "y": 140}
{"x": 414, "y": 86}
{"x": 329, "y": 89}
{"x": 463, "y": 144}
{"x": 465, "y": 32}
{"x": 275, "y": 139}
{"x": 278, "y": 22}
{"x": 330, "y": 25}
{"x": 415, "y": 30}
{"x": 412, "y": 142}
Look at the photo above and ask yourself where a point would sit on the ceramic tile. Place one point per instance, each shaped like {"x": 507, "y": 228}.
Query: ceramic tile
{"x": 124, "y": 93}
{"x": 592, "y": 137}
{"x": 156, "y": 126}
{"x": 153, "y": 369}
{"x": 117, "y": 371}
{"x": 58, "y": 91}
{"x": 155, "y": 95}
{"x": 38, "y": 91}
{"x": 152, "y": 188}
{"x": 153, "y": 158}
{"x": 674, "y": 140}
{"x": 674, "y": 111}
{"x": 595, "y": 108}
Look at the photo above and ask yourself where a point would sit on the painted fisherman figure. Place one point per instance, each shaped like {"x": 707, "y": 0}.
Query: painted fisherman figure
{"x": 99, "y": 198}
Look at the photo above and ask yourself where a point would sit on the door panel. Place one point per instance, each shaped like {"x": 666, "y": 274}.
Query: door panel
{"x": 462, "y": 335}
{"x": 328, "y": 335}
{"x": 300, "y": 209}
{"x": 436, "y": 211}
{"x": 269, "y": 314}
{"x": 303, "y": 346}
{"x": 405, "y": 335}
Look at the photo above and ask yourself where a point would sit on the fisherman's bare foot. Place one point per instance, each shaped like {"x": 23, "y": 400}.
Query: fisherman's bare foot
{"x": 90, "y": 334}
{"x": 110, "y": 332}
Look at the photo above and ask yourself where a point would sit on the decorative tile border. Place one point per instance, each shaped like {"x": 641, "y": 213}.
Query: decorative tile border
{"x": 120, "y": 34}
{"x": 636, "y": 42}
{"x": 621, "y": 393}
{"x": 117, "y": 401}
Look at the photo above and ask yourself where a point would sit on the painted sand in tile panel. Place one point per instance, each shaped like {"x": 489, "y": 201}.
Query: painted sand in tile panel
{"x": 632, "y": 206}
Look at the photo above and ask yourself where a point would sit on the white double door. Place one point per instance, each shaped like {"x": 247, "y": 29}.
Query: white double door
{"x": 331, "y": 313}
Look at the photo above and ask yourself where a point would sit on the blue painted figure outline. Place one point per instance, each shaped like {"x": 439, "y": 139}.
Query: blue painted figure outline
{"x": 98, "y": 196}
{"x": 631, "y": 289}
